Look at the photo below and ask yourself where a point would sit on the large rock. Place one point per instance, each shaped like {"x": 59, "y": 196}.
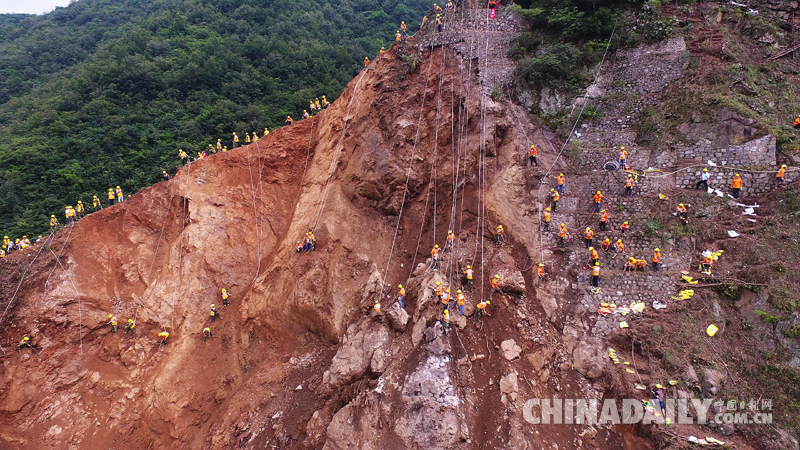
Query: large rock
{"x": 397, "y": 317}
{"x": 355, "y": 355}
{"x": 588, "y": 359}
{"x": 510, "y": 349}
{"x": 512, "y": 281}
{"x": 712, "y": 381}
{"x": 540, "y": 358}
{"x": 509, "y": 386}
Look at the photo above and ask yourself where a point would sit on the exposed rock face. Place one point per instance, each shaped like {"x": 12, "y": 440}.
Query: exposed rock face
{"x": 397, "y": 317}
{"x": 356, "y": 355}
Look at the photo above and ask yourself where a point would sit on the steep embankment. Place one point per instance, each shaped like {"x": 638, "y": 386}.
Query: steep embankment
{"x": 232, "y": 220}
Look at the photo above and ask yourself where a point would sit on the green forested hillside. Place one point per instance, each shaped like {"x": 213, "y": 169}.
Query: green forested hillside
{"x": 103, "y": 93}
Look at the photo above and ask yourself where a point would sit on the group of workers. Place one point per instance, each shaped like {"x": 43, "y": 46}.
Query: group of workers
{"x": 736, "y": 181}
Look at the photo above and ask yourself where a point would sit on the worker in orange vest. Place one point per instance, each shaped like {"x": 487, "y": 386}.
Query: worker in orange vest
{"x": 619, "y": 247}
{"x": 624, "y": 227}
{"x": 598, "y": 197}
{"x": 460, "y": 301}
{"x": 628, "y": 187}
{"x": 532, "y": 156}
{"x": 596, "y": 275}
{"x": 495, "y": 286}
{"x": 499, "y": 234}
{"x": 707, "y": 264}
{"x": 446, "y": 299}
{"x": 593, "y": 256}
{"x": 450, "y": 238}
{"x": 435, "y": 254}
{"x": 656, "y": 259}
{"x": 603, "y": 219}
{"x": 540, "y": 271}
{"x": 606, "y": 244}
{"x": 588, "y": 235}
{"x": 796, "y": 124}
{"x": 562, "y": 235}
{"x": 561, "y": 180}
{"x": 438, "y": 290}
{"x": 547, "y": 219}
{"x": 366, "y": 61}
{"x": 623, "y": 158}
{"x": 555, "y": 196}
{"x": 681, "y": 210}
{"x": 779, "y": 176}
{"x": 736, "y": 185}
{"x": 398, "y": 37}
{"x": 469, "y": 274}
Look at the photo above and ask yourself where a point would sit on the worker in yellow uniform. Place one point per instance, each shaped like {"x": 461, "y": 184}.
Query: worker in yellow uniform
{"x": 225, "y": 298}
{"x": 499, "y": 234}
{"x": 311, "y": 106}
{"x": 54, "y": 225}
{"x": 96, "y": 203}
{"x": 316, "y": 103}
{"x": 131, "y": 327}
{"x": 383, "y": 50}
{"x": 219, "y": 144}
{"x": 450, "y": 238}
{"x": 305, "y": 114}
{"x": 403, "y": 29}
{"x": 25, "y": 342}
{"x": 235, "y": 140}
{"x": 120, "y": 198}
{"x": 325, "y": 102}
{"x": 402, "y": 297}
{"x": 435, "y": 256}
{"x": 540, "y": 272}
{"x": 606, "y": 244}
{"x": 266, "y": 131}
{"x": 164, "y": 175}
{"x": 562, "y": 235}
{"x": 736, "y": 185}
{"x": 184, "y": 157}
{"x": 247, "y": 135}
{"x": 110, "y": 196}
{"x": 112, "y": 320}
{"x": 207, "y": 333}
{"x": 163, "y": 336}
{"x": 79, "y": 209}
{"x": 439, "y": 23}
{"x": 547, "y": 218}
{"x": 214, "y": 314}
{"x": 469, "y": 273}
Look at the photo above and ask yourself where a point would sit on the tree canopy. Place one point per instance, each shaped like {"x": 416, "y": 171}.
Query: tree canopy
{"x": 104, "y": 92}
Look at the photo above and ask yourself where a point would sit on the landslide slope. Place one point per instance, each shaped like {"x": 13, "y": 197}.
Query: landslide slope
{"x": 298, "y": 355}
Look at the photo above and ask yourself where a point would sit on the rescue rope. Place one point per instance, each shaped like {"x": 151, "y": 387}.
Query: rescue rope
{"x": 80, "y": 308}
{"x": 25, "y": 272}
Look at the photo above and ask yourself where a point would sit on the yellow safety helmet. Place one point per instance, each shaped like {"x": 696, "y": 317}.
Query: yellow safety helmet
{"x": 449, "y": 231}
{"x": 626, "y": 222}
{"x": 588, "y": 228}
{"x": 680, "y": 204}
{"x": 468, "y": 267}
{"x": 110, "y": 316}
{"x": 622, "y": 148}
{"x": 212, "y": 305}
{"x": 400, "y": 286}
{"x": 540, "y": 264}
{"x": 619, "y": 240}
{"x": 551, "y": 190}
{"x": 26, "y": 338}
{"x": 561, "y": 174}
{"x": 117, "y": 187}
{"x": 51, "y": 215}
{"x": 448, "y": 290}
{"x": 547, "y": 209}
{"x": 705, "y": 170}
{"x": 562, "y": 224}
{"x": 497, "y": 276}
{"x": 598, "y": 192}
{"x": 488, "y": 302}
{"x": 436, "y": 246}
{"x": 130, "y": 320}
{"x": 438, "y": 283}
{"x": 110, "y": 189}
{"x": 603, "y": 210}
{"x": 591, "y": 248}
{"x": 783, "y": 165}
{"x": 459, "y": 291}
{"x": 658, "y": 250}
{"x": 737, "y": 174}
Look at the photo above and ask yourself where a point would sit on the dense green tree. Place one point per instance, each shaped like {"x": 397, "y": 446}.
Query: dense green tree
{"x": 104, "y": 92}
